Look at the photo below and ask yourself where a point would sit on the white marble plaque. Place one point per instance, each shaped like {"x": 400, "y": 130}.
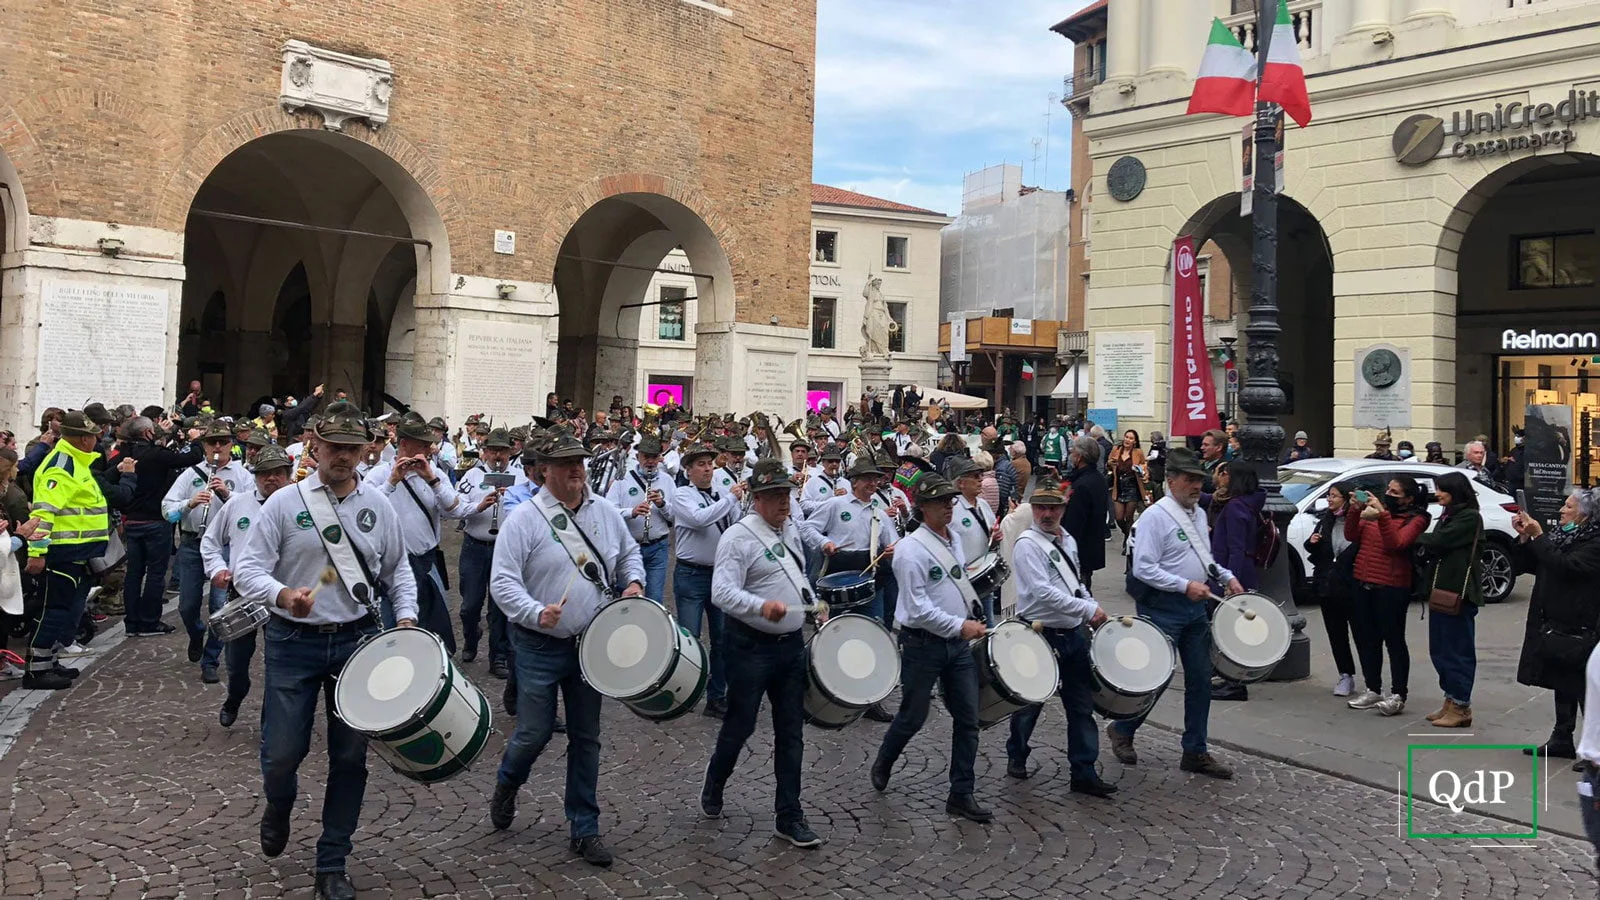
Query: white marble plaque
{"x": 101, "y": 342}
{"x": 1124, "y": 373}
{"x": 770, "y": 383}
{"x": 497, "y": 367}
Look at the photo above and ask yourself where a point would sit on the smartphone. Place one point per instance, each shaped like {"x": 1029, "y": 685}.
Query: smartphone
{"x": 1363, "y": 497}
{"x": 497, "y": 480}
{"x": 1522, "y": 500}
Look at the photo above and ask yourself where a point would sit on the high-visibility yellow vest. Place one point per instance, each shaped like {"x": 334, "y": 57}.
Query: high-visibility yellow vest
{"x": 69, "y": 504}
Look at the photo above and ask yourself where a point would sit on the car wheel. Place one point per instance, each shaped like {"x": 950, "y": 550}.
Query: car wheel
{"x": 1499, "y": 575}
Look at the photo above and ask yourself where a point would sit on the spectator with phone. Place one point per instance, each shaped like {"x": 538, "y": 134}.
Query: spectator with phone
{"x": 1333, "y": 558}
{"x": 1384, "y": 531}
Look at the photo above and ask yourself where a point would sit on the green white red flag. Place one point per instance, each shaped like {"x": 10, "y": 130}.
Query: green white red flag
{"x": 1283, "y": 79}
{"x": 1226, "y": 83}
{"x": 1027, "y": 370}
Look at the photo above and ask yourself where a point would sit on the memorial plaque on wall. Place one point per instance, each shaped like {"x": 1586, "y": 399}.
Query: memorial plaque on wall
{"x": 497, "y": 364}
{"x": 1125, "y": 372}
{"x": 770, "y": 384}
{"x": 1547, "y": 461}
{"x": 101, "y": 342}
{"x": 1383, "y": 387}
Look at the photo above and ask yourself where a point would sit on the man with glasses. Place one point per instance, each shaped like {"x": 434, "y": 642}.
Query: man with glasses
{"x": 195, "y": 497}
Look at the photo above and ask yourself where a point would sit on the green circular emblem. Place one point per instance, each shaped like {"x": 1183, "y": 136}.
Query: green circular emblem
{"x": 303, "y": 519}
{"x": 633, "y": 492}
{"x": 1055, "y": 555}
{"x": 560, "y": 521}
{"x": 935, "y": 574}
{"x": 244, "y": 524}
{"x": 778, "y": 550}
{"x": 769, "y": 556}
{"x": 966, "y": 523}
{"x": 199, "y": 481}
{"x": 844, "y": 516}
{"x": 1182, "y": 536}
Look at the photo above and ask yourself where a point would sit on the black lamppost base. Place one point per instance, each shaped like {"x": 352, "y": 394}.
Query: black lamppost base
{"x": 1297, "y": 664}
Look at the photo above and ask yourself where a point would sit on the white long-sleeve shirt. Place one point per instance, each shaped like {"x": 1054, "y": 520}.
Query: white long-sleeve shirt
{"x": 749, "y": 572}
{"x": 699, "y": 517}
{"x": 1163, "y": 553}
{"x": 531, "y": 569}
{"x": 929, "y": 598}
{"x": 973, "y": 522}
{"x": 441, "y": 501}
{"x": 472, "y": 493}
{"x": 820, "y": 489}
{"x": 175, "y": 504}
{"x": 847, "y": 522}
{"x": 631, "y": 490}
{"x": 1042, "y": 593}
{"x": 231, "y": 525}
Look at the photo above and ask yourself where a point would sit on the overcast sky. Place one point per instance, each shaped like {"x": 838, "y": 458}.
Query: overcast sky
{"x": 913, "y": 94}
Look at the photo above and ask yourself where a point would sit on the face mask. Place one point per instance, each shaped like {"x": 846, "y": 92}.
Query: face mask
{"x": 1391, "y": 503}
{"x": 1570, "y": 526}
{"x": 1518, "y": 440}
{"x": 1405, "y": 454}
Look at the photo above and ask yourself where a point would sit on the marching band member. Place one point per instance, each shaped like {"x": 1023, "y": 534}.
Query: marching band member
{"x": 974, "y": 523}
{"x": 642, "y": 496}
{"x": 799, "y": 464}
{"x": 192, "y": 503}
{"x": 761, "y": 586}
{"x": 549, "y": 542}
{"x": 271, "y": 469}
{"x": 825, "y": 484}
{"x": 730, "y": 463}
{"x": 477, "y": 549}
{"x": 421, "y": 498}
{"x": 1171, "y": 578}
{"x": 1050, "y": 592}
{"x": 533, "y": 469}
{"x": 936, "y": 619}
{"x": 700, "y": 515}
{"x": 313, "y": 631}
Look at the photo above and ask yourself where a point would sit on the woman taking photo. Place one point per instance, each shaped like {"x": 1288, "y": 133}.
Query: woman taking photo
{"x": 1455, "y": 591}
{"x": 1332, "y": 556}
{"x": 1125, "y": 470}
{"x": 1384, "y": 532}
{"x": 1564, "y": 611}
{"x": 1235, "y": 514}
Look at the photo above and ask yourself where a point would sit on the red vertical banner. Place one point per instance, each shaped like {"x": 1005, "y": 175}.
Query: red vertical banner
{"x": 1194, "y": 391}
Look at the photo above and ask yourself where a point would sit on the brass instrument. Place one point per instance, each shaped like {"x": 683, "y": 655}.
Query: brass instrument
{"x": 797, "y": 429}
{"x": 762, "y": 428}
{"x": 651, "y": 423}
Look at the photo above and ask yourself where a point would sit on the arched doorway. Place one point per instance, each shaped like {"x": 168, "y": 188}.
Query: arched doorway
{"x": 310, "y": 241}
{"x": 1305, "y": 305}
{"x": 1523, "y": 246}
{"x": 601, "y": 277}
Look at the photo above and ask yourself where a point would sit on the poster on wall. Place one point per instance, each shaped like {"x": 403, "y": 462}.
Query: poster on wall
{"x": 958, "y": 340}
{"x": 816, "y": 401}
{"x": 1123, "y": 375}
{"x": 1105, "y": 418}
{"x": 115, "y": 337}
{"x": 1547, "y": 461}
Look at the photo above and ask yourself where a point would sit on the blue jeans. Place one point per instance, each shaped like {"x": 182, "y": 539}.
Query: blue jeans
{"x": 774, "y": 666}
{"x": 300, "y": 665}
{"x": 1190, "y": 629}
{"x": 192, "y": 586}
{"x": 238, "y": 653}
{"x": 924, "y": 659}
{"x": 691, "y": 587}
{"x": 1452, "y": 645}
{"x": 476, "y": 557}
{"x": 149, "y": 547}
{"x": 656, "y": 556}
{"x": 543, "y": 664}
{"x": 66, "y": 592}
{"x": 1083, "y": 739}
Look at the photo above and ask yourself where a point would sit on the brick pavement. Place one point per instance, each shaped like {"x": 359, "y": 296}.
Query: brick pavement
{"x": 126, "y": 786}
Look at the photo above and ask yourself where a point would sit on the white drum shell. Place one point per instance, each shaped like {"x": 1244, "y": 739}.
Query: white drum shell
{"x": 998, "y": 696}
{"x": 238, "y": 618}
{"x": 824, "y": 707}
{"x": 1116, "y": 699}
{"x": 659, "y": 691}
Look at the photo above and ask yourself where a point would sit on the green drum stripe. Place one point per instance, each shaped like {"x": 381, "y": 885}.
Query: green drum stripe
{"x": 688, "y": 706}
{"x": 467, "y": 756}
{"x": 420, "y": 723}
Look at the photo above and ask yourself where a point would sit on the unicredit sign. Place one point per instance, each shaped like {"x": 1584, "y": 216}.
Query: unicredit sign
{"x": 1511, "y": 339}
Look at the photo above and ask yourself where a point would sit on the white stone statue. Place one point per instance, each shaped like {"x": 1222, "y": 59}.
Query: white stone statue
{"x": 876, "y": 323}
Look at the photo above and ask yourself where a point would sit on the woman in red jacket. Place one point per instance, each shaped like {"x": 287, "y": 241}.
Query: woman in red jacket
{"x": 1384, "y": 534}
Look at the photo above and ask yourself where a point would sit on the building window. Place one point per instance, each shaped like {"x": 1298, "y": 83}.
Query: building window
{"x": 1005, "y": 312}
{"x": 897, "y": 338}
{"x": 896, "y": 254}
{"x": 822, "y": 314}
{"x": 827, "y": 247}
{"x": 669, "y": 325}
{"x": 1554, "y": 261}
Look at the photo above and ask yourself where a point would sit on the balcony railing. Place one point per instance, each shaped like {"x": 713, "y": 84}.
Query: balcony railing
{"x": 1078, "y": 85}
{"x": 1305, "y": 15}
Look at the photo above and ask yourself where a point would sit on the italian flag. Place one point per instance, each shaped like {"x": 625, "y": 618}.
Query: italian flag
{"x": 1227, "y": 80}
{"x": 1283, "y": 81}
{"x": 1027, "y": 370}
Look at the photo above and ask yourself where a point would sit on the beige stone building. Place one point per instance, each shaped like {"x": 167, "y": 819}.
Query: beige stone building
{"x": 446, "y": 209}
{"x": 854, "y": 238}
{"x": 1438, "y": 217}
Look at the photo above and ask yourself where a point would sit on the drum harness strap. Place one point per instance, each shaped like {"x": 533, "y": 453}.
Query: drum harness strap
{"x": 786, "y": 562}
{"x": 1063, "y": 565}
{"x": 956, "y": 572}
{"x": 1202, "y": 553}
{"x": 570, "y": 536}
{"x": 342, "y": 552}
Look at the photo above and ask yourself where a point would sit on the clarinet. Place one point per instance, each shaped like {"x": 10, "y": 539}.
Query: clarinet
{"x": 205, "y": 514}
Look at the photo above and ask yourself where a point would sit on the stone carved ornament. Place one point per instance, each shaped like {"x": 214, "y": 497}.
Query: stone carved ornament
{"x": 337, "y": 85}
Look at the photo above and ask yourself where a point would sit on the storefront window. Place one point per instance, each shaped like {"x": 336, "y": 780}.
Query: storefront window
{"x": 822, "y": 322}
{"x": 672, "y": 314}
{"x": 1554, "y": 261}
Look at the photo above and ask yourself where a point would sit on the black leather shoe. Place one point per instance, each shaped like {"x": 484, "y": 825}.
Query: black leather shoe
{"x": 1018, "y": 768}
{"x": 710, "y": 798}
{"x": 275, "y": 831}
{"x": 164, "y": 628}
{"x": 335, "y": 886}
{"x": 593, "y": 850}
{"x": 197, "y": 644}
{"x": 469, "y": 655}
{"x": 66, "y": 672}
{"x": 227, "y": 715}
{"x": 498, "y": 669}
{"x": 503, "y": 808}
{"x": 208, "y": 675}
{"x": 880, "y": 775}
{"x": 1553, "y": 749}
{"x": 716, "y": 709}
{"x": 1204, "y": 764}
{"x": 966, "y": 806}
{"x": 46, "y": 681}
{"x": 559, "y": 726}
{"x": 1095, "y": 788}
{"x": 1230, "y": 690}
{"x": 877, "y": 712}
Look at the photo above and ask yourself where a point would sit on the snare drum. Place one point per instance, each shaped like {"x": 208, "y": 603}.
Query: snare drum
{"x": 847, "y": 592}
{"x": 238, "y": 618}
{"x": 1016, "y": 669}
{"x": 424, "y": 718}
{"x": 636, "y": 652}
{"x": 851, "y": 663}
{"x": 988, "y": 574}
{"x": 1249, "y": 637}
{"x": 1131, "y": 662}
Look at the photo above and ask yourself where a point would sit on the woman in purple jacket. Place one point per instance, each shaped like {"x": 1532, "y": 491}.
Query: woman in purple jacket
{"x": 1235, "y": 514}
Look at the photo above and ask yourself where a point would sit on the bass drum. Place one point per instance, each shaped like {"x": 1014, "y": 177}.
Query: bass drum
{"x": 1131, "y": 662}
{"x": 851, "y": 663}
{"x": 1016, "y": 669}
{"x": 1249, "y": 637}
{"x": 424, "y": 718}
{"x": 636, "y": 652}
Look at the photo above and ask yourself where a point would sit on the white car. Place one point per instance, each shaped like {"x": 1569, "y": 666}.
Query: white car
{"x": 1305, "y": 484}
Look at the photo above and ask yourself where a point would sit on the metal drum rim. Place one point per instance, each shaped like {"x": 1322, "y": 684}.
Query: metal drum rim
{"x": 667, "y": 668}
{"x": 435, "y": 702}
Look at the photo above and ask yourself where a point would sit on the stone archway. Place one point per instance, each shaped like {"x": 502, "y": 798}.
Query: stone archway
{"x": 319, "y": 224}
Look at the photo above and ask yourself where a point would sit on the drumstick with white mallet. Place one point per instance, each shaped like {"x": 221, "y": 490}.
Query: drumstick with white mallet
{"x": 329, "y": 576}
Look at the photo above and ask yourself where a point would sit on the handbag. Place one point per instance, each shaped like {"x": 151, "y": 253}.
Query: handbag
{"x": 1567, "y": 645}
{"x": 1449, "y": 602}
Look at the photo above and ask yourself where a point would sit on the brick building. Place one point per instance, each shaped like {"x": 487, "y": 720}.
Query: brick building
{"x": 447, "y": 205}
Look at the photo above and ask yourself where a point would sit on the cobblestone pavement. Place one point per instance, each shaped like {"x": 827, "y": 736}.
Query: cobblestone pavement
{"x": 126, "y": 786}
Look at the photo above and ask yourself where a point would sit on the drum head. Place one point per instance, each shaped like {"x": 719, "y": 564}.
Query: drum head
{"x": 390, "y": 679}
{"x": 842, "y": 580}
{"x": 855, "y": 659}
{"x": 1135, "y": 658}
{"x": 1024, "y": 660}
{"x": 1251, "y": 630}
{"x": 629, "y": 647}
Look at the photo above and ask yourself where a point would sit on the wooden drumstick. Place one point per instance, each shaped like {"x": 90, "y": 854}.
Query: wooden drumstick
{"x": 1248, "y": 612}
{"x": 873, "y": 566}
{"x": 328, "y": 576}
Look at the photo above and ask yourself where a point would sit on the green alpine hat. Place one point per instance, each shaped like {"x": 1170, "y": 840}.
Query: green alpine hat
{"x": 770, "y": 475}
{"x": 271, "y": 457}
{"x": 344, "y": 423}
